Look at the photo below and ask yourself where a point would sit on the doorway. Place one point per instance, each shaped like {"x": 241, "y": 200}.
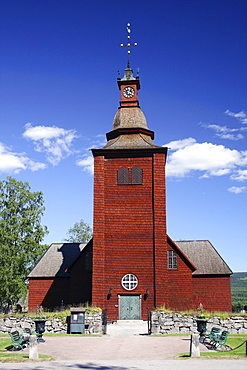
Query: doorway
{"x": 129, "y": 307}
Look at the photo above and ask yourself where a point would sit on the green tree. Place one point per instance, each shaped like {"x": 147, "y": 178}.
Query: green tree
{"x": 81, "y": 232}
{"x": 20, "y": 236}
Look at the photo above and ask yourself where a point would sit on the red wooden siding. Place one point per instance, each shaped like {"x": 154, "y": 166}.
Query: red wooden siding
{"x": 48, "y": 293}
{"x": 180, "y": 281}
{"x": 214, "y": 292}
{"x": 98, "y": 276}
{"x": 159, "y": 231}
{"x": 129, "y": 231}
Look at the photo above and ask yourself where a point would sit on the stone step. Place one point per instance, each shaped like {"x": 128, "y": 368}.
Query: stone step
{"x": 127, "y": 328}
{"x": 131, "y": 322}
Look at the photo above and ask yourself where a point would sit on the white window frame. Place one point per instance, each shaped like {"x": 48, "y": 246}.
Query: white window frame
{"x": 129, "y": 282}
{"x": 172, "y": 260}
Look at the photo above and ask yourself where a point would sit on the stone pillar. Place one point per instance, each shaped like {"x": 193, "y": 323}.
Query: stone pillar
{"x": 33, "y": 347}
{"x": 194, "y": 345}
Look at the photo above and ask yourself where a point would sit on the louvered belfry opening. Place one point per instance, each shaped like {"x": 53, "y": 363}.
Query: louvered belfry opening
{"x": 129, "y": 175}
{"x": 136, "y": 175}
{"x": 123, "y": 175}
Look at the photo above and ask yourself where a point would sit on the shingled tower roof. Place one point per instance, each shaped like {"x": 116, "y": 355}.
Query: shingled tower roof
{"x": 129, "y": 128}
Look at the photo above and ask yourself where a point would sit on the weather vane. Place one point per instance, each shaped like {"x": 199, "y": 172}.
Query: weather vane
{"x": 128, "y": 43}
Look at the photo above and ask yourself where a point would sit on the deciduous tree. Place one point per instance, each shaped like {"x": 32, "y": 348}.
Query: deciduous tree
{"x": 81, "y": 232}
{"x": 20, "y": 235}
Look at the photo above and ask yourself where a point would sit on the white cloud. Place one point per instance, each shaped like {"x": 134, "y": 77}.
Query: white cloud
{"x": 218, "y": 172}
{"x": 98, "y": 143}
{"x": 11, "y": 162}
{"x": 42, "y": 132}
{"x": 54, "y": 141}
{"x": 86, "y": 163}
{"x": 180, "y": 144}
{"x": 225, "y": 132}
{"x": 207, "y": 158}
{"x": 231, "y": 136}
{"x": 243, "y": 158}
{"x": 240, "y": 175}
{"x": 237, "y": 189}
{"x": 35, "y": 166}
{"x": 241, "y": 116}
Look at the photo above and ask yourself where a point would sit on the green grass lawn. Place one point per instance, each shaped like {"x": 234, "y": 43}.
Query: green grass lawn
{"x": 21, "y": 357}
{"x": 5, "y": 342}
{"x": 16, "y": 356}
{"x": 233, "y": 342}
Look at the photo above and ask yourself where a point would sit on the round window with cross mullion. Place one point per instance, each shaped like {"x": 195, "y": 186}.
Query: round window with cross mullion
{"x": 129, "y": 282}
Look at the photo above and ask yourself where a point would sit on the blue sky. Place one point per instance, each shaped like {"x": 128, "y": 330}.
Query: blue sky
{"x": 59, "y": 65}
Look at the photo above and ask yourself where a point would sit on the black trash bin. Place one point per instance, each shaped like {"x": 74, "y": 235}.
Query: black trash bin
{"x": 77, "y": 320}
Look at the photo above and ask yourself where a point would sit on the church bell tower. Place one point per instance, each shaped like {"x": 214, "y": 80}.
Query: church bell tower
{"x": 129, "y": 228}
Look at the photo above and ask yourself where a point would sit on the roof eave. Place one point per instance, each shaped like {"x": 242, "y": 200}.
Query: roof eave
{"x": 182, "y": 253}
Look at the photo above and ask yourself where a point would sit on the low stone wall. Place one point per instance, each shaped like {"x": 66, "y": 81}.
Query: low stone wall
{"x": 93, "y": 324}
{"x": 160, "y": 323}
{"x": 174, "y": 323}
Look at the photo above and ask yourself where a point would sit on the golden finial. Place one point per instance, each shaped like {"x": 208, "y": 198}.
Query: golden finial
{"x": 128, "y": 43}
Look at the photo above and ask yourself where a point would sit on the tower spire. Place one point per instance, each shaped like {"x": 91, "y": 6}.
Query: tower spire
{"x": 129, "y": 44}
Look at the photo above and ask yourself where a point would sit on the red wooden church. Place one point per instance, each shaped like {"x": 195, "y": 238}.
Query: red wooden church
{"x": 131, "y": 264}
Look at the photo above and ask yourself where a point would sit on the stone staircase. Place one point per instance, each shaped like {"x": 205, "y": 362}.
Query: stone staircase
{"x": 127, "y": 328}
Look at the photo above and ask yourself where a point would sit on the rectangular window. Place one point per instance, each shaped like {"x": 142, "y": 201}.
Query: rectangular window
{"x": 172, "y": 260}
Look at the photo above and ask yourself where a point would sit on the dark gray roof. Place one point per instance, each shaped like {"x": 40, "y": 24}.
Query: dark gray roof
{"x": 126, "y": 119}
{"x": 129, "y": 117}
{"x": 205, "y": 257}
{"x": 56, "y": 260}
{"x": 132, "y": 141}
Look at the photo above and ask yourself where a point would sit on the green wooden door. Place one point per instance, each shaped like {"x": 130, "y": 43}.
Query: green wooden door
{"x": 129, "y": 307}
